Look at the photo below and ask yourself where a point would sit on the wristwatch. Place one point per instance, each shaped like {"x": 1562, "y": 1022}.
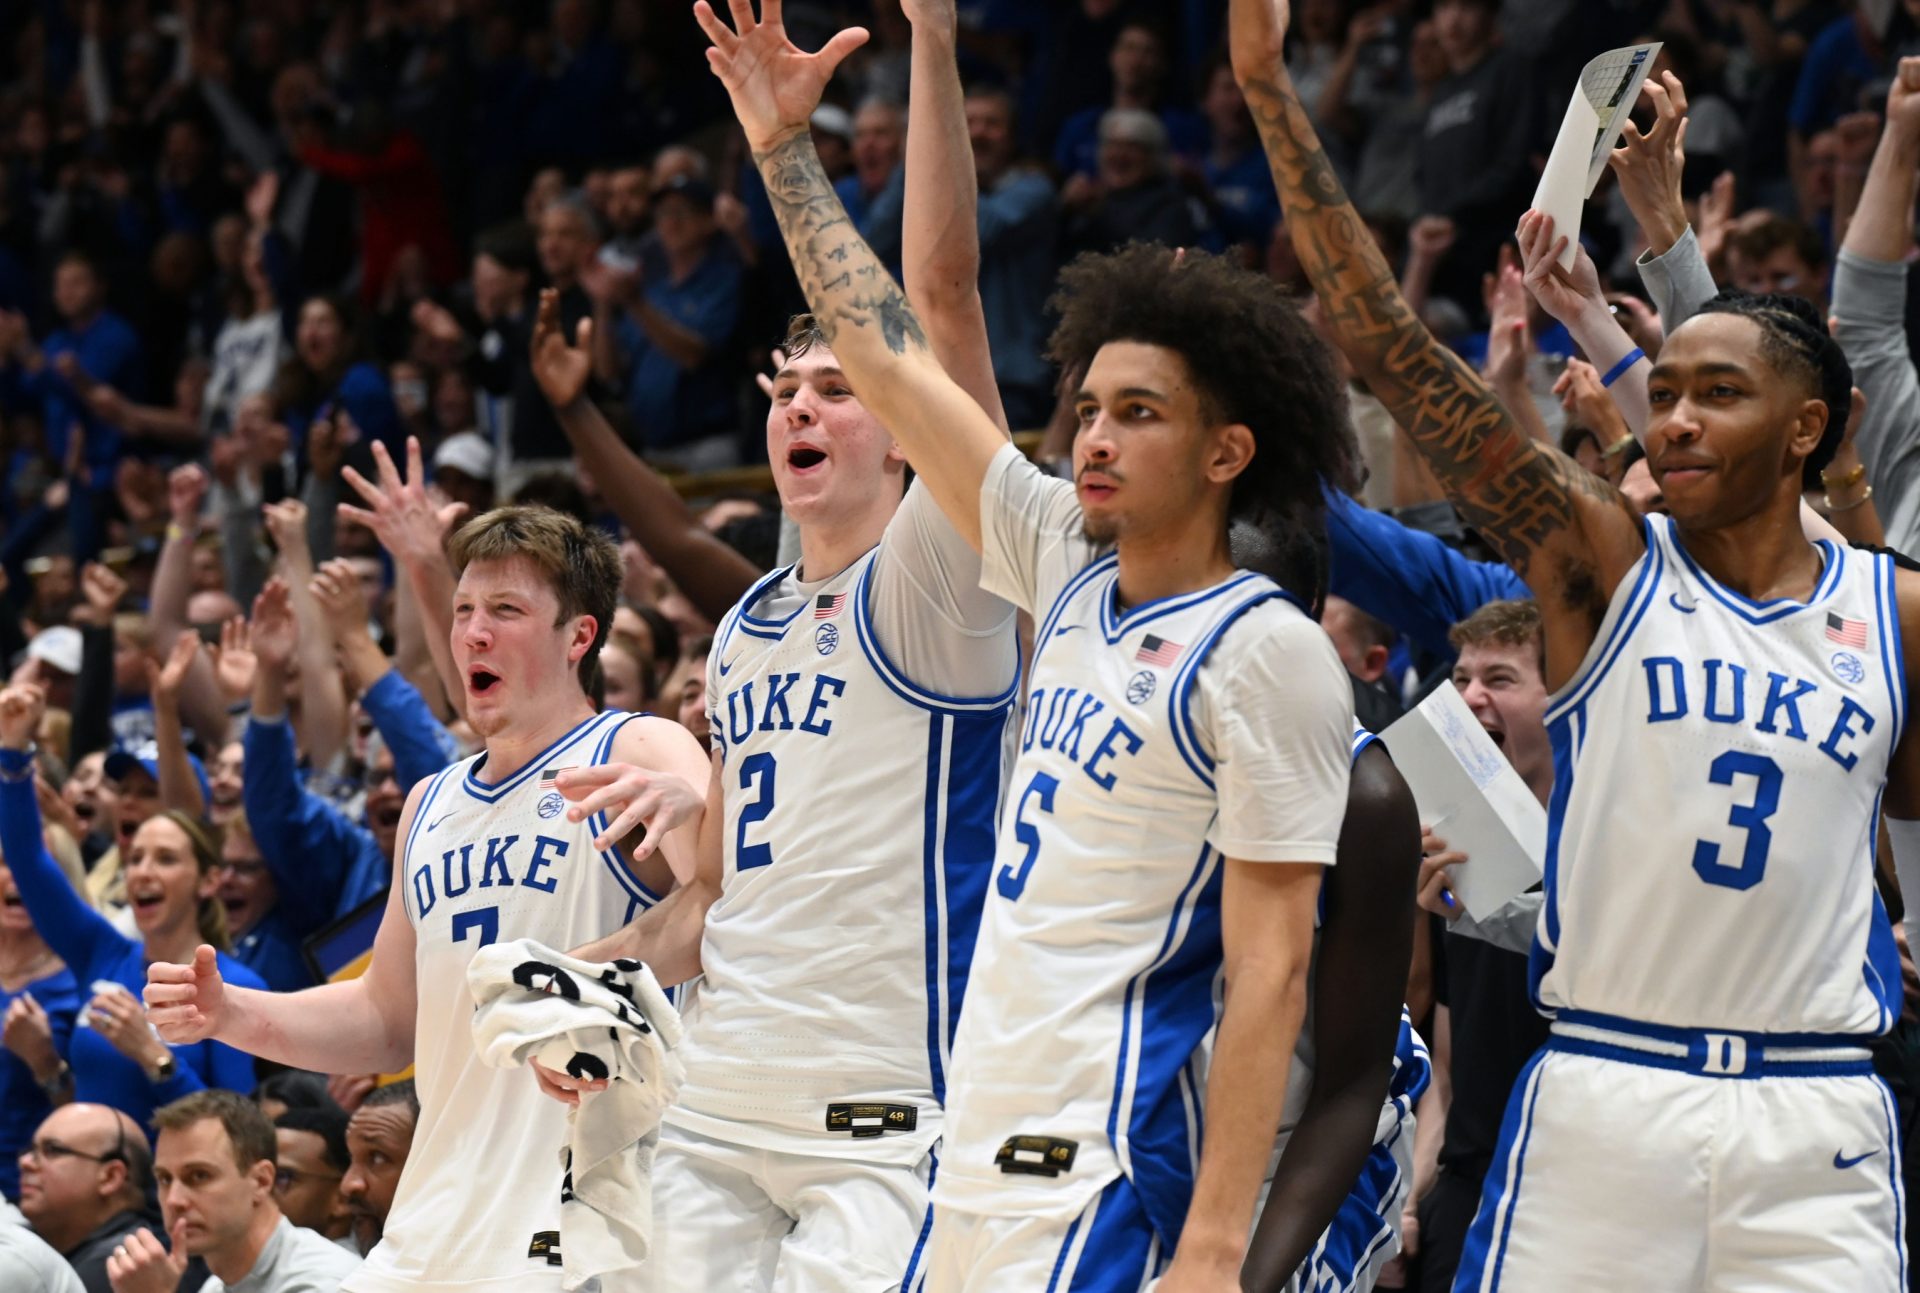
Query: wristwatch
{"x": 162, "y": 1071}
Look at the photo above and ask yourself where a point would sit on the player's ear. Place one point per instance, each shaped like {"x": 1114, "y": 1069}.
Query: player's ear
{"x": 585, "y": 628}
{"x": 1229, "y": 453}
{"x": 1808, "y": 428}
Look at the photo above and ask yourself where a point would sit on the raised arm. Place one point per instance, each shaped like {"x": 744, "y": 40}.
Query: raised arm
{"x": 323, "y": 701}
{"x": 1568, "y": 534}
{"x": 179, "y": 788}
{"x": 940, "y": 230}
{"x": 873, "y": 331}
{"x": 714, "y": 575}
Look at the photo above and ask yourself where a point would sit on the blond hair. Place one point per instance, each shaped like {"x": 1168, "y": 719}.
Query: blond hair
{"x": 581, "y": 565}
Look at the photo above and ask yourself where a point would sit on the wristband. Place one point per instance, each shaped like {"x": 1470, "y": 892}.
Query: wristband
{"x": 1626, "y": 361}
{"x": 174, "y": 531}
{"x": 1847, "y": 479}
{"x": 1866, "y": 496}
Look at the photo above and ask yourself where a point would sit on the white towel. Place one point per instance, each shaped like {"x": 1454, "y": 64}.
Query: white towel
{"x": 590, "y": 1020}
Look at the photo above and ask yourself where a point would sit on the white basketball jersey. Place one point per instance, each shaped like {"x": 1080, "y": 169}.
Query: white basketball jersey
{"x": 859, "y": 841}
{"x": 1719, "y": 764}
{"x": 1081, "y": 1054}
{"x": 486, "y": 862}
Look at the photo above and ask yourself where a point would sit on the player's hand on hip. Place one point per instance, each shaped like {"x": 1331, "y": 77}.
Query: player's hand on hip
{"x": 567, "y": 1090}
{"x": 186, "y": 1003}
{"x": 632, "y": 797}
{"x": 1436, "y": 888}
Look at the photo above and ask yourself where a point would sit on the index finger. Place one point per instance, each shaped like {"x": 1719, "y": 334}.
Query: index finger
{"x": 416, "y": 470}
{"x": 361, "y": 485}
{"x": 585, "y": 779}
{"x": 390, "y": 482}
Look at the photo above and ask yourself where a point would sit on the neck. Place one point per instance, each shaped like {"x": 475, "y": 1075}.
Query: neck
{"x": 1540, "y": 782}
{"x": 828, "y": 547}
{"x": 64, "y": 1231}
{"x": 1763, "y": 556}
{"x": 1168, "y": 565}
{"x": 507, "y": 754}
{"x": 23, "y": 956}
{"x": 235, "y": 1262}
{"x": 175, "y": 944}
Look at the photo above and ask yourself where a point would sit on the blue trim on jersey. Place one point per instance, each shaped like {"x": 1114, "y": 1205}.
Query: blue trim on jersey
{"x": 759, "y": 590}
{"x": 616, "y": 857}
{"x": 1886, "y": 608}
{"x": 1045, "y": 633}
{"x": 1499, "y": 1197}
{"x": 1602, "y": 656}
{"x": 1882, "y": 969}
{"x": 1180, "y": 695}
{"x": 492, "y": 794}
{"x": 1360, "y": 1228}
{"x": 1691, "y": 1065}
{"x": 413, "y": 831}
{"x": 963, "y": 796}
{"x": 1895, "y": 1175}
{"x": 926, "y": 1223}
{"x": 1121, "y": 1252}
{"x": 1117, "y": 626}
{"x": 1158, "y": 1146}
{"x": 731, "y": 621}
{"x": 1775, "y": 609}
{"x": 897, "y": 681}
{"x": 1362, "y": 738}
{"x": 1546, "y": 933}
{"x": 932, "y": 884}
{"x": 1695, "y": 1038}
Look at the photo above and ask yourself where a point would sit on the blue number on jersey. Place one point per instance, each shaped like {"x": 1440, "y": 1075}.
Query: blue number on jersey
{"x": 748, "y": 856}
{"x": 1013, "y": 879}
{"x": 484, "y": 919}
{"x": 1751, "y": 818}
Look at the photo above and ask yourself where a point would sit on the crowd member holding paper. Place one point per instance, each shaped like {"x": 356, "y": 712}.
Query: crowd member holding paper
{"x": 1716, "y": 958}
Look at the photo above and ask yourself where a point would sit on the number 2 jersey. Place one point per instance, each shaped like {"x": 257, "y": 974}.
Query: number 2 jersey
{"x": 1719, "y": 764}
{"x": 1158, "y": 742}
{"x": 863, "y": 721}
{"x": 486, "y": 861}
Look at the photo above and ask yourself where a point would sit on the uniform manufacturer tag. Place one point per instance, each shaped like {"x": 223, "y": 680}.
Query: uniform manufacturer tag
{"x": 1036, "y": 1155}
{"x": 865, "y": 1121}
{"x": 546, "y": 1243}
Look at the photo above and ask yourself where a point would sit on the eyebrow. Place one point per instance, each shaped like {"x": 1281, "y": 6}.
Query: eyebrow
{"x": 790, "y": 371}
{"x": 1125, "y": 392}
{"x": 1715, "y": 369}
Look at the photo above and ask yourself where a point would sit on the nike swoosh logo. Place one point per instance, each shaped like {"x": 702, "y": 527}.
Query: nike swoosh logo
{"x": 1065, "y": 629}
{"x": 1842, "y": 1164}
{"x": 1684, "y": 608}
{"x": 726, "y": 666}
{"x": 436, "y": 821}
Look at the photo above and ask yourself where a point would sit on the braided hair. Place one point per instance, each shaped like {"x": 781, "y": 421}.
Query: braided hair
{"x": 1795, "y": 340}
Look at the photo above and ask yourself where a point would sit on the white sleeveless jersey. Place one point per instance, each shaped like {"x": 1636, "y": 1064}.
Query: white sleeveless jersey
{"x": 859, "y": 841}
{"x": 1412, "y": 1068}
{"x": 484, "y": 863}
{"x": 1719, "y": 764}
{"x": 1096, "y": 984}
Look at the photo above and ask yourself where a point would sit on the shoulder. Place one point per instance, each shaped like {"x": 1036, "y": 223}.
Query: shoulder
{"x": 654, "y": 742}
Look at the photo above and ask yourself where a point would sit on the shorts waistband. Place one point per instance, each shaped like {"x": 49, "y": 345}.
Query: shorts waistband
{"x": 1708, "y": 1052}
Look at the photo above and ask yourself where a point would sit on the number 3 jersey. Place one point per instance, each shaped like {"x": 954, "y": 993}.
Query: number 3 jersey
{"x": 486, "y": 861}
{"x": 1157, "y": 743}
{"x": 860, "y": 804}
{"x": 1719, "y": 764}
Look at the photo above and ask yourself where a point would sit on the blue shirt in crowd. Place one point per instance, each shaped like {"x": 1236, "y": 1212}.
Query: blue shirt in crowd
{"x": 23, "y": 1105}
{"x": 108, "y": 351}
{"x": 673, "y": 405}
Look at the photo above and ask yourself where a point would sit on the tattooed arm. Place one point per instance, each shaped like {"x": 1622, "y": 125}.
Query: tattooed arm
{"x": 875, "y": 335}
{"x": 1568, "y": 534}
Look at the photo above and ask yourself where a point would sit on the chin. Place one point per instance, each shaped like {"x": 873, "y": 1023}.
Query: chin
{"x": 1099, "y": 529}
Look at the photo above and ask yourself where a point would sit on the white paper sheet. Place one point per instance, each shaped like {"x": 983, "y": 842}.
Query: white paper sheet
{"x": 1472, "y": 798}
{"x": 1609, "y": 87}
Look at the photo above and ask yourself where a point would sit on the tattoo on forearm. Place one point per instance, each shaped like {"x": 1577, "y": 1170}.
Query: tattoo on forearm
{"x": 1518, "y": 493}
{"x": 842, "y": 279}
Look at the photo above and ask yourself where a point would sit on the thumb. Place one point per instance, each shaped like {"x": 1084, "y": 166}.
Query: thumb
{"x": 841, "y": 46}
{"x": 206, "y": 964}
{"x": 583, "y": 334}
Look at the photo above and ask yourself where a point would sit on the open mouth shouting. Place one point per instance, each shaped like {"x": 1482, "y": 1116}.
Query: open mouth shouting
{"x": 481, "y": 680}
{"x": 803, "y": 457}
{"x": 145, "y": 899}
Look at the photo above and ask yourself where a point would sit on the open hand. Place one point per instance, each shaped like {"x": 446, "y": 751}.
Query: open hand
{"x": 656, "y": 802}
{"x": 168, "y": 676}
{"x": 336, "y": 586}
{"x": 234, "y": 663}
{"x": 399, "y": 511}
{"x": 273, "y": 631}
{"x": 774, "y": 84}
{"x": 561, "y": 369}
{"x": 1648, "y": 165}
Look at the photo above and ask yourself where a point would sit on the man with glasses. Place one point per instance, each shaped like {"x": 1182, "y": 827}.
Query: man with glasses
{"x": 83, "y": 1186}
{"x": 313, "y": 1159}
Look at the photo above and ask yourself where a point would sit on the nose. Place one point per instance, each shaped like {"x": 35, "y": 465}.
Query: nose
{"x": 353, "y": 1184}
{"x": 1475, "y": 694}
{"x": 1096, "y": 439}
{"x": 801, "y": 409}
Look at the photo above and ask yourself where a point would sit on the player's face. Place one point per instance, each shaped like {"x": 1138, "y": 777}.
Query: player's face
{"x": 1724, "y": 420}
{"x": 1502, "y": 686}
{"x": 510, "y": 646}
{"x": 830, "y": 456}
{"x": 164, "y": 881}
{"x": 205, "y": 1197}
{"x": 1144, "y": 458}
{"x": 378, "y": 1140}
{"x": 306, "y": 1185}
{"x": 246, "y": 887}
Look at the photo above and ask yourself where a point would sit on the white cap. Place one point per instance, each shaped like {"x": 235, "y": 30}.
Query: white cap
{"x": 58, "y": 646}
{"x": 832, "y": 120}
{"x": 467, "y": 453}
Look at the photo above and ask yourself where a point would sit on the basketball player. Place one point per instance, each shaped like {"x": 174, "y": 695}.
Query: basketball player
{"x": 1184, "y": 760}
{"x": 490, "y": 852}
{"x": 1728, "y": 712}
{"x": 859, "y": 704}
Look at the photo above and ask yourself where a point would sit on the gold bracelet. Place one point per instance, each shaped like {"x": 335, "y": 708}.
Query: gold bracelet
{"x": 174, "y": 531}
{"x": 1832, "y": 507}
{"x": 1852, "y": 476}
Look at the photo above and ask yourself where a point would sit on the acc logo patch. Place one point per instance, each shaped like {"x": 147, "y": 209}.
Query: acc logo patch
{"x": 826, "y": 639}
{"x": 1140, "y": 687}
{"x": 550, "y": 804}
{"x": 1847, "y": 666}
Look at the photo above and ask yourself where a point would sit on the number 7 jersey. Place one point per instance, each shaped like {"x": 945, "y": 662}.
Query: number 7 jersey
{"x": 1719, "y": 764}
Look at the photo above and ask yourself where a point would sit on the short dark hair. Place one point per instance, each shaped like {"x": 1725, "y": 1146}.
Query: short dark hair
{"x": 247, "y": 1128}
{"x": 803, "y": 334}
{"x": 666, "y": 635}
{"x": 330, "y": 1125}
{"x": 1251, "y": 356}
{"x": 1795, "y": 341}
{"x": 581, "y": 564}
{"x": 1514, "y": 623}
{"x": 1774, "y": 232}
{"x": 401, "y": 1092}
{"x": 296, "y": 1089}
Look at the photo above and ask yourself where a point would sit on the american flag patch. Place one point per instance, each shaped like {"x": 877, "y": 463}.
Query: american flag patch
{"x": 1158, "y": 651}
{"x": 1846, "y": 632}
{"x": 547, "y": 777}
{"x": 827, "y": 605}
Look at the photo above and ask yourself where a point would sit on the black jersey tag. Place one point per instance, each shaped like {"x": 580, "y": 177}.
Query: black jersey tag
{"x": 1036, "y": 1155}
{"x": 865, "y": 1121}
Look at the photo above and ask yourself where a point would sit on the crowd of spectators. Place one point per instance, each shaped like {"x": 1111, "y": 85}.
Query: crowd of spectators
{"x": 272, "y": 282}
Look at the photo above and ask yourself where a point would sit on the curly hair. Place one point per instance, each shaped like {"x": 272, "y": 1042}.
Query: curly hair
{"x": 1252, "y": 358}
{"x": 1795, "y": 341}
